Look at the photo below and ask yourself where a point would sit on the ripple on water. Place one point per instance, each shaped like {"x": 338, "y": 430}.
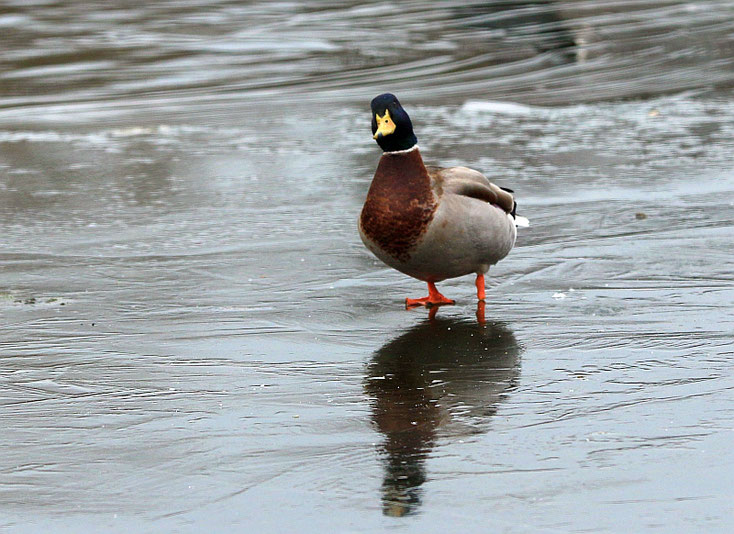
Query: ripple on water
{"x": 154, "y": 57}
{"x": 193, "y": 332}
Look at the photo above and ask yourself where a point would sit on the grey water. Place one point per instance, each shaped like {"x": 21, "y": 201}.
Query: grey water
{"x": 194, "y": 339}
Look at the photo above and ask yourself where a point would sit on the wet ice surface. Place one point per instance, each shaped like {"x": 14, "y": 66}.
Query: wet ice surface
{"x": 193, "y": 336}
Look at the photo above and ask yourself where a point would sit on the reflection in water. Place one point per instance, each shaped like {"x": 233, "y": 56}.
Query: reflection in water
{"x": 442, "y": 374}
{"x": 537, "y": 24}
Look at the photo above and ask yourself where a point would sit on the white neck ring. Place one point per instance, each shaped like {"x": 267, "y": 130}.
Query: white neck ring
{"x": 411, "y": 149}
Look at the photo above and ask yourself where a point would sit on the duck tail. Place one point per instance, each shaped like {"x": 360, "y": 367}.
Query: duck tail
{"x": 520, "y": 221}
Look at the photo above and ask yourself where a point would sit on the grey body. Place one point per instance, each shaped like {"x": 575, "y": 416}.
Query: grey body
{"x": 467, "y": 234}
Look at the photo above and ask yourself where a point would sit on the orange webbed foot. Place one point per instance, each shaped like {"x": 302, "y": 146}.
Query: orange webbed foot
{"x": 434, "y": 298}
{"x": 428, "y": 302}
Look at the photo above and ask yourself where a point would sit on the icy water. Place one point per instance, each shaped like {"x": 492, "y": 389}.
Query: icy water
{"x": 194, "y": 339}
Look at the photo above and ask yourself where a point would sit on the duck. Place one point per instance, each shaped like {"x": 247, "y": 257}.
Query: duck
{"x": 432, "y": 223}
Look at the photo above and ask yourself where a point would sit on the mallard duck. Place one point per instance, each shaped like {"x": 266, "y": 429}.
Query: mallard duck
{"x": 432, "y": 223}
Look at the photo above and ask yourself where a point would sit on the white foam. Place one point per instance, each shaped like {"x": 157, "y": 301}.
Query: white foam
{"x": 502, "y": 108}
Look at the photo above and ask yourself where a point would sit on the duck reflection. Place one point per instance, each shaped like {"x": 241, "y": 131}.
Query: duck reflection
{"x": 443, "y": 377}
{"x": 538, "y": 24}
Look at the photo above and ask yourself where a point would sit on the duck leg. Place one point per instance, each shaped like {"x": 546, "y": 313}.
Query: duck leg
{"x": 480, "y": 312}
{"x": 434, "y": 298}
{"x": 480, "y": 287}
{"x": 480, "y": 299}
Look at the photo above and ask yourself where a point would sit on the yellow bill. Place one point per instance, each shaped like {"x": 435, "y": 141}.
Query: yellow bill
{"x": 385, "y": 125}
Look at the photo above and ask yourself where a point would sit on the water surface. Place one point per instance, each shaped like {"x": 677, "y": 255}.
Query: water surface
{"x": 194, "y": 338}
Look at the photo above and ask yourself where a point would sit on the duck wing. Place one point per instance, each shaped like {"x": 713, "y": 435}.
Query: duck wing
{"x": 470, "y": 183}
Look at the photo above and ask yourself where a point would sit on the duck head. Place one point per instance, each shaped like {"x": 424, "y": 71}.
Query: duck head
{"x": 391, "y": 126}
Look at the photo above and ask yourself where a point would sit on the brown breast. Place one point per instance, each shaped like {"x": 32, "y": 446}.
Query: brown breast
{"x": 399, "y": 205}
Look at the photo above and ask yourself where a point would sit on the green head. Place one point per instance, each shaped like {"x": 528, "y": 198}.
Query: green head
{"x": 391, "y": 126}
